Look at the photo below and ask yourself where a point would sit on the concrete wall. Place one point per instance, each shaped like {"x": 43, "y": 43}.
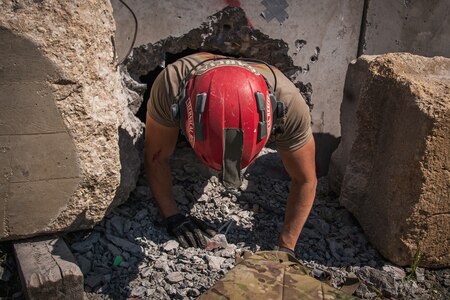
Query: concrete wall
{"x": 331, "y": 27}
{"x": 417, "y": 26}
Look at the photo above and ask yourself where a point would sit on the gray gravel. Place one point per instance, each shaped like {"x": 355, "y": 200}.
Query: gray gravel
{"x": 130, "y": 254}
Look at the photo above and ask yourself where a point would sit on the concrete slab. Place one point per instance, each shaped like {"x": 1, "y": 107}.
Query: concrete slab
{"x": 418, "y": 27}
{"x": 48, "y": 269}
{"x": 5, "y": 160}
{"x": 32, "y": 205}
{"x": 28, "y": 108}
{"x": 69, "y": 143}
{"x": 328, "y": 31}
{"x": 4, "y": 189}
{"x": 42, "y": 157}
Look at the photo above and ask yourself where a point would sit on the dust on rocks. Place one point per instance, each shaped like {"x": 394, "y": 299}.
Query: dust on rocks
{"x": 130, "y": 254}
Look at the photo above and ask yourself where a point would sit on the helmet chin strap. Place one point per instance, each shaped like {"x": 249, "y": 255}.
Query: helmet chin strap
{"x": 233, "y": 147}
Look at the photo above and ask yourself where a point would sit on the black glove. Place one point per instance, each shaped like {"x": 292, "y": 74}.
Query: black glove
{"x": 189, "y": 231}
{"x": 287, "y": 250}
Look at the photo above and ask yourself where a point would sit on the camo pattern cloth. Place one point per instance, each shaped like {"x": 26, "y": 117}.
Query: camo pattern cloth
{"x": 271, "y": 275}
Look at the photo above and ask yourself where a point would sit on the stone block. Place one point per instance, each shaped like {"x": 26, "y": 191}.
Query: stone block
{"x": 48, "y": 269}
{"x": 396, "y": 181}
{"x": 68, "y": 138}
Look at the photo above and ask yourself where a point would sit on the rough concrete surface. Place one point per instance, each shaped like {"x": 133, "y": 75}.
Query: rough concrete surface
{"x": 420, "y": 27}
{"x": 48, "y": 269}
{"x": 396, "y": 182}
{"x": 68, "y": 139}
{"x": 320, "y": 37}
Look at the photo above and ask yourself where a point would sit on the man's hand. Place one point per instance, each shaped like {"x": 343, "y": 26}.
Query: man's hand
{"x": 189, "y": 231}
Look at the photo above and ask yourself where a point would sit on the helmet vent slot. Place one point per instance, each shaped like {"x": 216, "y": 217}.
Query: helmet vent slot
{"x": 262, "y": 124}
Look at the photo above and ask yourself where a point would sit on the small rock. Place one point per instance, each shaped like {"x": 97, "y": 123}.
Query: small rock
{"x": 117, "y": 222}
{"x": 150, "y": 292}
{"x": 141, "y": 214}
{"x": 349, "y": 252}
{"x": 138, "y": 291}
{"x": 203, "y": 198}
{"x": 84, "y": 264}
{"x": 215, "y": 262}
{"x": 162, "y": 265}
{"x": 420, "y": 275}
{"x": 113, "y": 249}
{"x": 82, "y": 247}
{"x": 179, "y": 194}
{"x": 170, "y": 245}
{"x": 142, "y": 192}
{"x": 193, "y": 293}
{"x": 396, "y": 272}
{"x": 446, "y": 282}
{"x": 5, "y": 274}
{"x": 93, "y": 281}
{"x": 380, "y": 280}
{"x": 124, "y": 244}
{"x": 216, "y": 242}
{"x": 174, "y": 277}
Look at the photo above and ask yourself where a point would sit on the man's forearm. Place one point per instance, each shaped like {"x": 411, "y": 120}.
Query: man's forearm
{"x": 160, "y": 182}
{"x": 300, "y": 201}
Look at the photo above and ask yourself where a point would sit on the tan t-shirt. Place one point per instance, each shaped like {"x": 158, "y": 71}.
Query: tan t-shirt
{"x": 297, "y": 122}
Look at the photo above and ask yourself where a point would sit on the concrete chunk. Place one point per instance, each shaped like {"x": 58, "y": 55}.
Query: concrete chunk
{"x": 394, "y": 155}
{"x": 48, "y": 269}
{"x": 69, "y": 148}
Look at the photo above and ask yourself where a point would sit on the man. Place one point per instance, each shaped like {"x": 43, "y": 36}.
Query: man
{"x": 227, "y": 108}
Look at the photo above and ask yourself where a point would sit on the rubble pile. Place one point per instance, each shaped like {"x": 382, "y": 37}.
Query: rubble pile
{"x": 130, "y": 254}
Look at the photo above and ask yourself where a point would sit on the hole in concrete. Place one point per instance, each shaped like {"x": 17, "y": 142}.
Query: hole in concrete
{"x": 226, "y": 27}
{"x": 315, "y": 57}
{"x": 150, "y": 77}
{"x": 299, "y": 44}
{"x": 227, "y": 32}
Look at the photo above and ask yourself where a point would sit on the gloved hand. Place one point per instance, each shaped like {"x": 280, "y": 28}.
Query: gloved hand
{"x": 189, "y": 231}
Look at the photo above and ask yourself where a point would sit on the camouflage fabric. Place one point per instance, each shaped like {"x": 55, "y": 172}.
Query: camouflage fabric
{"x": 271, "y": 275}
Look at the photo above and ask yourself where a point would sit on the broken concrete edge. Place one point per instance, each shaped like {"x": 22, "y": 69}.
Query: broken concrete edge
{"x": 48, "y": 269}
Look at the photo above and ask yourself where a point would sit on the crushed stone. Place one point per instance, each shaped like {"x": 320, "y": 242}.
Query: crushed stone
{"x": 154, "y": 266}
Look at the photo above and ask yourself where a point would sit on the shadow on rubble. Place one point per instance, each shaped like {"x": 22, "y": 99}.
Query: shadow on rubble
{"x": 331, "y": 236}
{"x": 126, "y": 245}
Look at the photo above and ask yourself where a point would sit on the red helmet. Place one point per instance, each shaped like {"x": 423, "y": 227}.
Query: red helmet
{"x": 226, "y": 114}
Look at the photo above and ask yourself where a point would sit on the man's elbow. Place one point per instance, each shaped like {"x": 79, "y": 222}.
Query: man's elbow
{"x": 309, "y": 181}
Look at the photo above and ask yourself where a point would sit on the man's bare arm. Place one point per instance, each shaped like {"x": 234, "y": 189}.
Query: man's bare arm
{"x": 160, "y": 142}
{"x": 300, "y": 164}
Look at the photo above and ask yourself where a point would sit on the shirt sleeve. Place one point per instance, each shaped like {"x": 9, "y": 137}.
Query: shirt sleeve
{"x": 160, "y": 100}
{"x": 297, "y": 125}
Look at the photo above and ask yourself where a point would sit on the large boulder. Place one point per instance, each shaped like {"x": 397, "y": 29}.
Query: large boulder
{"x": 68, "y": 140}
{"x": 395, "y": 155}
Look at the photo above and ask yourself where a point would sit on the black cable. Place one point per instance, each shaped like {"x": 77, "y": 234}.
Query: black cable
{"x": 135, "y": 33}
